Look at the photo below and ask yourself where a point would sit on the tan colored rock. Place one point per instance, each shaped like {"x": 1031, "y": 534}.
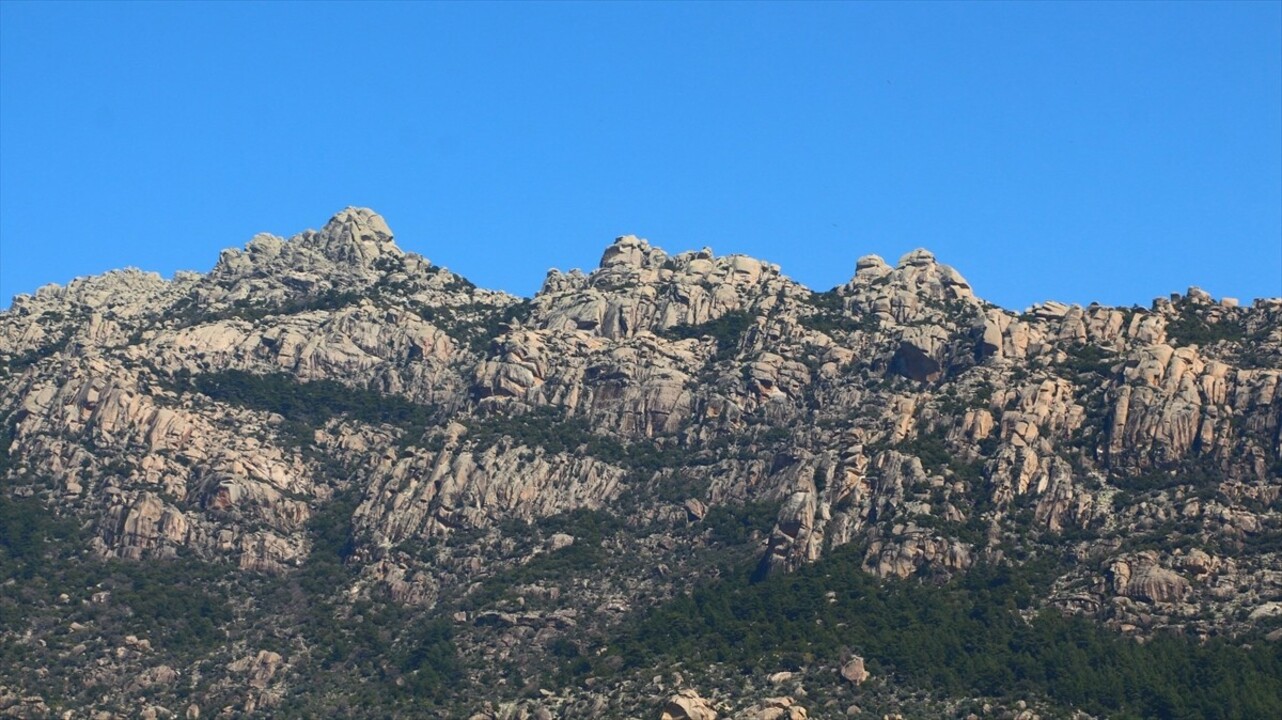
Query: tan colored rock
{"x": 163, "y": 675}
{"x": 775, "y": 708}
{"x": 794, "y": 540}
{"x": 853, "y": 670}
{"x": 1142, "y": 578}
{"x": 641, "y": 288}
{"x": 559, "y": 541}
{"x": 687, "y": 705}
{"x": 1199, "y": 562}
{"x": 695, "y": 509}
{"x": 432, "y": 494}
{"x": 258, "y": 669}
{"x": 1266, "y": 610}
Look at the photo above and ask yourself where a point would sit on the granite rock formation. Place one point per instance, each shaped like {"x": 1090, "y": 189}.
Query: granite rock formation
{"x": 898, "y": 412}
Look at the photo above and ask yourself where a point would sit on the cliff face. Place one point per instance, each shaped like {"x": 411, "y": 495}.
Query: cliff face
{"x": 898, "y": 413}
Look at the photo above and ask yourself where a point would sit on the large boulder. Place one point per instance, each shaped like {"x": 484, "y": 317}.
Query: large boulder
{"x": 687, "y": 705}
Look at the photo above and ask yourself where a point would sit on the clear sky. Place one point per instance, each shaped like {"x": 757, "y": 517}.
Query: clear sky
{"x": 1079, "y": 152}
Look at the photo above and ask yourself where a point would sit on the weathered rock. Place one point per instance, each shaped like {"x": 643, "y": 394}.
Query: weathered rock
{"x": 898, "y": 411}
{"x": 775, "y": 708}
{"x": 1143, "y": 579}
{"x": 854, "y": 670}
{"x": 258, "y": 669}
{"x": 687, "y": 705}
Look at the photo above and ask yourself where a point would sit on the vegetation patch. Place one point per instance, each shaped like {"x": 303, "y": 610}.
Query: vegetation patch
{"x": 967, "y": 637}
{"x": 190, "y": 310}
{"x": 307, "y": 405}
{"x": 589, "y": 528}
{"x": 1089, "y": 363}
{"x": 476, "y": 325}
{"x": 1190, "y": 328}
{"x": 728, "y": 331}
{"x": 169, "y": 602}
{"x": 550, "y": 429}
{"x": 831, "y": 315}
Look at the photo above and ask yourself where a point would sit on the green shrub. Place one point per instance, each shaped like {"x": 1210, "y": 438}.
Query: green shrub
{"x": 728, "y": 331}
{"x": 307, "y": 405}
{"x": 831, "y": 316}
{"x": 968, "y": 637}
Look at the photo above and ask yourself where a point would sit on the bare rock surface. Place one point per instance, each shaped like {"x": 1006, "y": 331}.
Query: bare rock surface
{"x": 687, "y": 705}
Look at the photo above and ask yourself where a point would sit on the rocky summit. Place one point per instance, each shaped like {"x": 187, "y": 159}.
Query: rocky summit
{"x": 331, "y": 479}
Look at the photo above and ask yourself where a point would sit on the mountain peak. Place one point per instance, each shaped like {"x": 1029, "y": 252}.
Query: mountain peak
{"x": 920, "y": 257}
{"x": 917, "y": 272}
{"x": 631, "y": 251}
{"x": 354, "y": 236}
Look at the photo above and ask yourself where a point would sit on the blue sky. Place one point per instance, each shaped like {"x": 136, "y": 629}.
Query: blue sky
{"x": 1080, "y": 152}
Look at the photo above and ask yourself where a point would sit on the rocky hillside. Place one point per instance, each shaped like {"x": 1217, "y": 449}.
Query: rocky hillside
{"x": 329, "y": 477}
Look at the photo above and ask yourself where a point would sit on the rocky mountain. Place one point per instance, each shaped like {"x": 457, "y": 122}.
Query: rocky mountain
{"x": 331, "y": 478}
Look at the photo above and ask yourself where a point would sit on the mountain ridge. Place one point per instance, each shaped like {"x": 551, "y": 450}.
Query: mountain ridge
{"x": 330, "y": 406}
{"x": 267, "y": 239}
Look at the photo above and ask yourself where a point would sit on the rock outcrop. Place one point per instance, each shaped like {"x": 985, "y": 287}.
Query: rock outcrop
{"x": 687, "y": 705}
{"x": 452, "y": 435}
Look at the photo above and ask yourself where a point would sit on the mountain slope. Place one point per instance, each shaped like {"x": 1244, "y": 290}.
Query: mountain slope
{"x": 381, "y": 476}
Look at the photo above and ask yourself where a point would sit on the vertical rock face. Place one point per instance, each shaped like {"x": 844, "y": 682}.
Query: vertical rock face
{"x": 227, "y": 416}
